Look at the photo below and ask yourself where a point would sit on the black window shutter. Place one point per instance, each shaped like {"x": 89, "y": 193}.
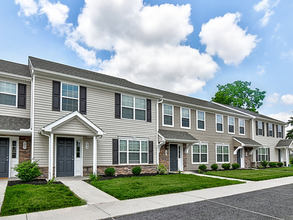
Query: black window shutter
{"x": 256, "y": 156}
{"x": 268, "y": 129}
{"x": 117, "y": 105}
{"x": 273, "y": 130}
{"x": 82, "y": 100}
{"x": 256, "y": 127}
{"x": 56, "y": 96}
{"x": 263, "y": 129}
{"x": 282, "y": 132}
{"x": 269, "y": 155}
{"x": 149, "y": 110}
{"x": 151, "y": 152}
{"x": 115, "y": 151}
{"x": 277, "y": 131}
{"x": 21, "y": 96}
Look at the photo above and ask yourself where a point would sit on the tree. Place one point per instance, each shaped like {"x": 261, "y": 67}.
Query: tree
{"x": 239, "y": 94}
{"x": 290, "y": 132}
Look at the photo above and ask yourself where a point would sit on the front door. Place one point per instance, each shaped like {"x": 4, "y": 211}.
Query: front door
{"x": 65, "y": 156}
{"x": 4, "y": 157}
{"x": 173, "y": 157}
{"x": 239, "y": 157}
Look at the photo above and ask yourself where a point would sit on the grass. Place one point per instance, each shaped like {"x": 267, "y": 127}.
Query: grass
{"x": 27, "y": 198}
{"x": 137, "y": 187}
{"x": 283, "y": 168}
{"x": 253, "y": 175}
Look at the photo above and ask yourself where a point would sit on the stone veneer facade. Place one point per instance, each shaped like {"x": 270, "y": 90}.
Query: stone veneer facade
{"x": 247, "y": 157}
{"x": 24, "y": 154}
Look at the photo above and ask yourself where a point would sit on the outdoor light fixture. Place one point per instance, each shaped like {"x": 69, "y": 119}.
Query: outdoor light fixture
{"x": 24, "y": 145}
{"x": 87, "y": 145}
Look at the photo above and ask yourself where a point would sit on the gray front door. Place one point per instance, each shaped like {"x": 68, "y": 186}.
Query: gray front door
{"x": 4, "y": 157}
{"x": 239, "y": 156}
{"x": 65, "y": 157}
{"x": 173, "y": 157}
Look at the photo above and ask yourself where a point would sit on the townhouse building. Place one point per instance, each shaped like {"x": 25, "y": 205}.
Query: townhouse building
{"x": 75, "y": 122}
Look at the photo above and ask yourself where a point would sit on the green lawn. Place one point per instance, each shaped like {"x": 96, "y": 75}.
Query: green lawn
{"x": 137, "y": 187}
{"x": 254, "y": 175}
{"x": 283, "y": 168}
{"x": 27, "y": 198}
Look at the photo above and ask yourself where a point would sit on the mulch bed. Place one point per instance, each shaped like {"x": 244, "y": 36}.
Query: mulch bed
{"x": 34, "y": 182}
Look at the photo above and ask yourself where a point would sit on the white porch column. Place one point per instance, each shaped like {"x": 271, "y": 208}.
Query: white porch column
{"x": 51, "y": 147}
{"x": 95, "y": 155}
{"x": 287, "y": 157}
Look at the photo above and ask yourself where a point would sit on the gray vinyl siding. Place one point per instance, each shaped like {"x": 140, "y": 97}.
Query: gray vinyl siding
{"x": 73, "y": 127}
{"x": 8, "y": 110}
{"x": 100, "y": 110}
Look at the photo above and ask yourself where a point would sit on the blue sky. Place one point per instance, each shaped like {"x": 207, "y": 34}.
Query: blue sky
{"x": 184, "y": 46}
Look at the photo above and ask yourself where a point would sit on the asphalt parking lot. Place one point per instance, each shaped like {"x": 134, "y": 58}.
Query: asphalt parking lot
{"x": 272, "y": 203}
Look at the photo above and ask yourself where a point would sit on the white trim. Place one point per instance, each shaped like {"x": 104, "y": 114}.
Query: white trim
{"x": 222, "y": 144}
{"x": 231, "y": 124}
{"x": 78, "y": 138}
{"x": 239, "y": 119}
{"x": 163, "y": 114}
{"x": 219, "y": 123}
{"x": 15, "y": 76}
{"x": 10, "y": 166}
{"x": 24, "y": 132}
{"x": 181, "y": 158}
{"x": 95, "y": 150}
{"x": 33, "y": 113}
{"x": 204, "y": 121}
{"x": 181, "y": 117}
{"x": 199, "y": 144}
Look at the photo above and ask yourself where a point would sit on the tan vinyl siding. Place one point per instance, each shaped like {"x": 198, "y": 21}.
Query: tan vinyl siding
{"x": 73, "y": 127}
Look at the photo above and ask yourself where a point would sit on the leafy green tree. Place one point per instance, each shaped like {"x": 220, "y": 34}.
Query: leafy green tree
{"x": 290, "y": 132}
{"x": 239, "y": 94}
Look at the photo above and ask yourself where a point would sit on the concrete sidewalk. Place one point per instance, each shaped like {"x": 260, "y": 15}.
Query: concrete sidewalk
{"x": 100, "y": 209}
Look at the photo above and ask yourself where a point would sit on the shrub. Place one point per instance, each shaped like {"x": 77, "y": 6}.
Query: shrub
{"x": 136, "y": 171}
{"x": 291, "y": 161}
{"x": 162, "y": 169}
{"x": 203, "y": 168}
{"x": 200, "y": 171}
{"x": 226, "y": 166}
{"x": 272, "y": 164}
{"x": 27, "y": 170}
{"x": 214, "y": 166}
{"x": 235, "y": 166}
{"x": 110, "y": 171}
{"x": 94, "y": 177}
{"x": 264, "y": 163}
{"x": 280, "y": 164}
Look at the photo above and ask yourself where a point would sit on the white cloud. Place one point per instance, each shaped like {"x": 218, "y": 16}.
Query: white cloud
{"x": 274, "y": 98}
{"x": 261, "y": 70}
{"x": 266, "y": 6}
{"x": 288, "y": 55}
{"x": 27, "y": 7}
{"x": 277, "y": 27}
{"x": 282, "y": 116}
{"x": 287, "y": 99}
{"x": 222, "y": 36}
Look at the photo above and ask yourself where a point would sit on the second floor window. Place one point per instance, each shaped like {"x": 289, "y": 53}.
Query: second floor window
{"x": 200, "y": 120}
{"x": 133, "y": 107}
{"x": 279, "y": 131}
{"x": 241, "y": 126}
{"x": 167, "y": 115}
{"x": 219, "y": 123}
{"x": 231, "y": 125}
{"x": 260, "y": 128}
{"x": 270, "y": 130}
{"x": 69, "y": 97}
{"x": 185, "y": 118}
{"x": 7, "y": 93}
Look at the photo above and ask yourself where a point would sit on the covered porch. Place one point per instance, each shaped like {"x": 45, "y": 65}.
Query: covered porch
{"x": 283, "y": 148}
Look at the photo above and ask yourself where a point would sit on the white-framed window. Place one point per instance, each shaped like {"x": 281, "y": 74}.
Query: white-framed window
{"x": 69, "y": 99}
{"x": 168, "y": 119}
{"x": 222, "y": 151}
{"x": 200, "y": 153}
{"x": 279, "y": 131}
{"x": 241, "y": 126}
{"x": 260, "y": 128}
{"x": 8, "y": 93}
{"x": 133, "y": 151}
{"x": 270, "y": 130}
{"x": 219, "y": 123}
{"x": 133, "y": 108}
{"x": 200, "y": 118}
{"x": 185, "y": 118}
{"x": 231, "y": 125}
{"x": 263, "y": 154}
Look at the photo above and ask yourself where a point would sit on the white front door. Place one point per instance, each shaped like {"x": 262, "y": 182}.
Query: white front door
{"x": 180, "y": 157}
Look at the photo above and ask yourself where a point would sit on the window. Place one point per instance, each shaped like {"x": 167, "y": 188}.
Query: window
{"x": 270, "y": 130}
{"x": 222, "y": 153}
{"x": 231, "y": 125}
{"x": 185, "y": 118}
{"x": 133, "y": 108}
{"x": 279, "y": 131}
{"x": 241, "y": 126}
{"x": 7, "y": 93}
{"x": 133, "y": 152}
{"x": 200, "y": 120}
{"x": 219, "y": 123}
{"x": 263, "y": 154}
{"x": 69, "y": 97}
{"x": 168, "y": 115}
{"x": 260, "y": 128}
{"x": 200, "y": 153}
{"x": 14, "y": 149}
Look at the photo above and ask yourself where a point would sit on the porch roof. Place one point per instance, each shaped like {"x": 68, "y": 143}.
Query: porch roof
{"x": 247, "y": 142}
{"x": 284, "y": 143}
{"x": 181, "y": 136}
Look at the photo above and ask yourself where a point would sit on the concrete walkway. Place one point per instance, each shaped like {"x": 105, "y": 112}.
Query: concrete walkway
{"x": 218, "y": 177}
{"x": 98, "y": 209}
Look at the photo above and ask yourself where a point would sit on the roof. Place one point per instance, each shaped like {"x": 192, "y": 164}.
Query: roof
{"x": 284, "y": 143}
{"x": 14, "y": 123}
{"x": 14, "y": 68}
{"x": 248, "y": 142}
{"x": 177, "y": 135}
{"x": 91, "y": 75}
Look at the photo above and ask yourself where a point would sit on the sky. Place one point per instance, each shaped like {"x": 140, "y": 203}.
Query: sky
{"x": 187, "y": 47}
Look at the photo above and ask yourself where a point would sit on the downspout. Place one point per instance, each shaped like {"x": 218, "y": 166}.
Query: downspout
{"x": 33, "y": 115}
{"x": 95, "y": 152}
{"x": 50, "y": 175}
{"x": 157, "y": 138}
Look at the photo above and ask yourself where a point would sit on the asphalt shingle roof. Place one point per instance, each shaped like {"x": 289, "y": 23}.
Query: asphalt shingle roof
{"x": 247, "y": 141}
{"x": 14, "y": 123}
{"x": 14, "y": 68}
{"x": 178, "y": 135}
{"x": 284, "y": 143}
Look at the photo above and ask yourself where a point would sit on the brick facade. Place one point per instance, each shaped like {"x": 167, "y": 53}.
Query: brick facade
{"x": 164, "y": 156}
{"x": 24, "y": 154}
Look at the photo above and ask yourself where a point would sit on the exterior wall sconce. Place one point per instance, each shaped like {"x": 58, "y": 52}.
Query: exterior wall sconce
{"x": 87, "y": 145}
{"x": 24, "y": 145}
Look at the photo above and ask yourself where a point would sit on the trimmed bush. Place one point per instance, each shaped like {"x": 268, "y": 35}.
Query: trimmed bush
{"x": 226, "y": 166}
{"x": 136, "y": 171}
{"x": 27, "y": 170}
{"x": 272, "y": 164}
{"x": 235, "y": 166}
{"x": 214, "y": 166}
{"x": 203, "y": 168}
{"x": 280, "y": 164}
{"x": 94, "y": 177}
{"x": 162, "y": 169}
{"x": 110, "y": 171}
{"x": 264, "y": 163}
